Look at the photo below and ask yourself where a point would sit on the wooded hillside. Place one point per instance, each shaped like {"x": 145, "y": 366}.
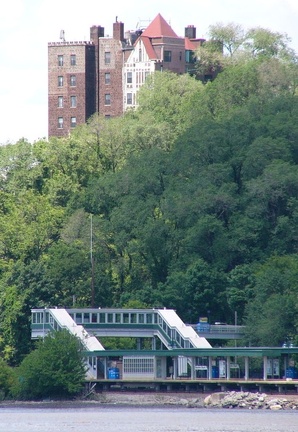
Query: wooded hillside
{"x": 194, "y": 205}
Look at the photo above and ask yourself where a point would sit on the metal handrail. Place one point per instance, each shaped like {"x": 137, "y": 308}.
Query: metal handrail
{"x": 216, "y": 328}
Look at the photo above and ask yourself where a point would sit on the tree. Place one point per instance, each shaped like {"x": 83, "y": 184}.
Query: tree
{"x": 271, "y": 315}
{"x": 260, "y": 42}
{"x": 240, "y": 288}
{"x": 54, "y": 369}
{"x": 7, "y": 377}
{"x": 231, "y": 36}
{"x": 168, "y": 98}
{"x": 19, "y": 168}
{"x": 231, "y": 44}
{"x": 195, "y": 291}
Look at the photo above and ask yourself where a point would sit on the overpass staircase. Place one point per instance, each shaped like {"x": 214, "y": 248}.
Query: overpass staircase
{"x": 88, "y": 324}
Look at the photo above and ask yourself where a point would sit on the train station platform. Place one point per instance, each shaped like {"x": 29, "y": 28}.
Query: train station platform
{"x": 177, "y": 351}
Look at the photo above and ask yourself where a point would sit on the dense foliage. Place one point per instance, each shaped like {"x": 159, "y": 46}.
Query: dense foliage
{"x": 55, "y": 368}
{"x": 7, "y": 380}
{"x": 194, "y": 204}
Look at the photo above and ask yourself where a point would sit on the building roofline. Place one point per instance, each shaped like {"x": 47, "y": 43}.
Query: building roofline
{"x": 70, "y": 43}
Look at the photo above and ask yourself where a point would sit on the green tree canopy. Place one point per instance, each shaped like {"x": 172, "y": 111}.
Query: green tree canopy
{"x": 54, "y": 369}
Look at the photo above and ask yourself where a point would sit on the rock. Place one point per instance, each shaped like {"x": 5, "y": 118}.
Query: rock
{"x": 273, "y": 401}
{"x": 275, "y": 407}
{"x": 216, "y": 398}
{"x": 208, "y": 400}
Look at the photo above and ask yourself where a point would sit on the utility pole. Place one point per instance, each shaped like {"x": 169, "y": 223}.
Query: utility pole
{"x": 236, "y": 322}
{"x": 92, "y": 262}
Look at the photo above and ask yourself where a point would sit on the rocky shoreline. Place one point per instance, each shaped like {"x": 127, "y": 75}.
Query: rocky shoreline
{"x": 251, "y": 401}
{"x": 224, "y": 400}
{"x": 233, "y": 399}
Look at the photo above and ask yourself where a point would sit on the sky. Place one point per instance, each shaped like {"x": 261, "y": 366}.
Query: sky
{"x": 26, "y": 27}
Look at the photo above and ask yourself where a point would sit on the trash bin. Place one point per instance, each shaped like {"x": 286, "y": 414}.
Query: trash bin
{"x": 113, "y": 373}
{"x": 215, "y": 372}
{"x": 291, "y": 372}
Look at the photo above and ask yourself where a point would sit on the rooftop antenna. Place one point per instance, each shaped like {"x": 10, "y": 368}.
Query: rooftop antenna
{"x": 62, "y": 35}
{"x": 142, "y": 24}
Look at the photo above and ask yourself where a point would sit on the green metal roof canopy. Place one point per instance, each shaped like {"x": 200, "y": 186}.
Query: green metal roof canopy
{"x": 201, "y": 352}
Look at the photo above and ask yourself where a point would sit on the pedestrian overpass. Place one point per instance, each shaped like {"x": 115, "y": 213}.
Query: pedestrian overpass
{"x": 164, "y": 324}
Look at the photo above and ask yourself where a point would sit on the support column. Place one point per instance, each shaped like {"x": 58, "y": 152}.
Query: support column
{"x": 139, "y": 344}
{"x": 105, "y": 368}
{"x": 209, "y": 368}
{"x": 265, "y": 368}
{"x": 286, "y": 366}
{"x": 228, "y": 367}
{"x": 153, "y": 344}
{"x": 175, "y": 367}
{"x": 246, "y": 366}
{"x": 193, "y": 371}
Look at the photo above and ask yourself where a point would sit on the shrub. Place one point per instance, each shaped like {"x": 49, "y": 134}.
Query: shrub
{"x": 7, "y": 378}
{"x": 55, "y": 368}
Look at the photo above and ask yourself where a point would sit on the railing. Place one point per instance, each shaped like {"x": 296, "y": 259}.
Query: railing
{"x": 218, "y": 328}
{"x": 112, "y": 319}
{"x": 141, "y": 318}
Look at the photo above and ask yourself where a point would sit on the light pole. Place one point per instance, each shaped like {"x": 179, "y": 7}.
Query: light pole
{"x": 236, "y": 319}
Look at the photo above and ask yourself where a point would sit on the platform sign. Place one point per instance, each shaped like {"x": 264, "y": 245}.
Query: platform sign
{"x": 234, "y": 366}
{"x": 201, "y": 367}
{"x": 203, "y": 325}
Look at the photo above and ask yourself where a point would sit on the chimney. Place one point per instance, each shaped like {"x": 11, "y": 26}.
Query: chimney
{"x": 96, "y": 32}
{"x": 118, "y": 30}
{"x": 190, "y": 32}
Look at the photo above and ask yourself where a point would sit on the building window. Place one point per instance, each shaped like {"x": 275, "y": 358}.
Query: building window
{"x": 60, "y": 122}
{"x": 73, "y": 59}
{"x": 60, "y": 101}
{"x": 129, "y": 98}
{"x": 60, "y": 60}
{"x": 73, "y": 80}
{"x": 168, "y": 56}
{"x": 73, "y": 101}
{"x": 140, "y": 54}
{"x": 73, "y": 122}
{"x": 107, "y": 116}
{"x": 60, "y": 81}
{"x": 107, "y": 78}
{"x": 107, "y": 99}
{"x": 107, "y": 57}
{"x": 129, "y": 77}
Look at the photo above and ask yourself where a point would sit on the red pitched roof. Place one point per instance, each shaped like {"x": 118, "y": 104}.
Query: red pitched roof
{"x": 159, "y": 27}
{"x": 149, "y": 48}
{"x": 189, "y": 45}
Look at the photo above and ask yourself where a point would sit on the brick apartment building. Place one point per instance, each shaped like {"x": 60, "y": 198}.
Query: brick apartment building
{"x": 104, "y": 74}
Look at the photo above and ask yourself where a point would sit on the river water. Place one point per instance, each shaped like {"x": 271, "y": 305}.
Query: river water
{"x": 143, "y": 419}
